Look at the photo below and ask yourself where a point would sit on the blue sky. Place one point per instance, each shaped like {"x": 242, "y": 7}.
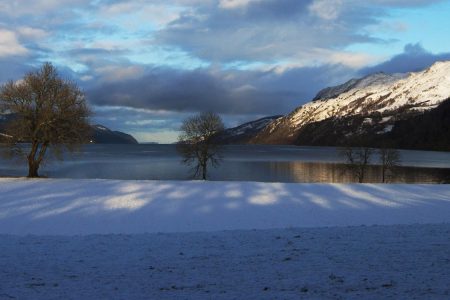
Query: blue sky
{"x": 147, "y": 65}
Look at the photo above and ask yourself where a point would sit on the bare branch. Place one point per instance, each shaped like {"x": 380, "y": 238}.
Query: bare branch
{"x": 195, "y": 143}
{"x": 49, "y": 111}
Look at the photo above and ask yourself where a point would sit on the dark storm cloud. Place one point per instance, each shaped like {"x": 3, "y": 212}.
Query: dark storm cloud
{"x": 175, "y": 90}
{"x": 280, "y": 10}
{"x": 414, "y": 58}
{"x": 12, "y": 69}
{"x": 227, "y": 92}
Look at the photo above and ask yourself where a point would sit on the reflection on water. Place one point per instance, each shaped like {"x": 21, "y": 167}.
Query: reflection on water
{"x": 336, "y": 173}
{"x": 241, "y": 163}
{"x": 321, "y": 172}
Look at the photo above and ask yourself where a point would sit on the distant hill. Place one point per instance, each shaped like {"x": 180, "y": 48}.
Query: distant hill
{"x": 103, "y": 135}
{"x": 243, "y": 133}
{"x": 100, "y": 134}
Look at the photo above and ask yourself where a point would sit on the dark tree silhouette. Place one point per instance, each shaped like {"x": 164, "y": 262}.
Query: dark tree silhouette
{"x": 357, "y": 161}
{"x": 389, "y": 159}
{"x": 196, "y": 144}
{"x": 49, "y": 112}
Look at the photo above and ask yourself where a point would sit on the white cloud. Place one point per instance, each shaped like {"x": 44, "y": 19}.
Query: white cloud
{"x": 326, "y": 9}
{"x": 10, "y": 45}
{"x": 145, "y": 122}
{"x": 233, "y": 4}
{"x": 32, "y": 33}
{"x": 119, "y": 8}
{"x": 112, "y": 73}
{"x": 86, "y": 77}
{"x": 353, "y": 60}
{"x": 133, "y": 14}
{"x": 320, "y": 56}
{"x": 38, "y": 7}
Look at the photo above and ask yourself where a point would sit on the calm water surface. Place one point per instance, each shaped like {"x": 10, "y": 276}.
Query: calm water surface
{"x": 242, "y": 163}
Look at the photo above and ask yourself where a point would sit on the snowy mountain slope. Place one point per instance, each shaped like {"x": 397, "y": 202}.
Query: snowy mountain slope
{"x": 377, "y": 101}
{"x": 370, "y": 80}
{"x": 242, "y": 133}
{"x": 429, "y": 130}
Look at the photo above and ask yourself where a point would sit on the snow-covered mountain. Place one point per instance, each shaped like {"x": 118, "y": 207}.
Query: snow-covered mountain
{"x": 371, "y": 106}
{"x": 369, "y": 80}
{"x": 243, "y": 133}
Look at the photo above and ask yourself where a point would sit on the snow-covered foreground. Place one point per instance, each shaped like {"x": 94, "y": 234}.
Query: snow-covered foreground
{"x": 376, "y": 262}
{"x": 98, "y": 239}
{"x": 67, "y": 207}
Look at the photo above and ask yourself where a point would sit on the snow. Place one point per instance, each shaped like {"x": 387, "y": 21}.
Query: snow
{"x": 379, "y": 79}
{"x": 377, "y": 262}
{"x": 69, "y": 207}
{"x": 250, "y": 126}
{"x": 5, "y": 135}
{"x": 112, "y": 239}
{"x": 388, "y": 128}
{"x": 100, "y": 127}
{"x": 376, "y": 79}
{"x": 420, "y": 91}
{"x": 386, "y": 119}
{"x": 368, "y": 121}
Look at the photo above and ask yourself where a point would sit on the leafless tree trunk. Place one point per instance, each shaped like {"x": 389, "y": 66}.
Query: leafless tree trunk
{"x": 357, "y": 161}
{"x": 390, "y": 159}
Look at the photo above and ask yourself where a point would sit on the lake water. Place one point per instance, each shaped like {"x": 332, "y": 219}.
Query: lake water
{"x": 242, "y": 163}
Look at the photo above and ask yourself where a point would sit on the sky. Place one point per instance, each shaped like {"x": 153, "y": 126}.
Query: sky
{"x": 145, "y": 66}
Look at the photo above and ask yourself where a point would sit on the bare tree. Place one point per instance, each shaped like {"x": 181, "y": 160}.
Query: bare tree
{"x": 48, "y": 112}
{"x": 196, "y": 144}
{"x": 357, "y": 161}
{"x": 389, "y": 159}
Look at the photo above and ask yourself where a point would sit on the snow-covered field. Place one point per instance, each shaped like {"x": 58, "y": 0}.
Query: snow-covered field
{"x": 110, "y": 239}
{"x": 68, "y": 207}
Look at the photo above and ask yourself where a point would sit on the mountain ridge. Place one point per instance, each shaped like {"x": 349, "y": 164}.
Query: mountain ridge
{"x": 243, "y": 133}
{"x": 99, "y": 133}
{"x": 104, "y": 135}
{"x": 379, "y": 78}
{"x": 379, "y": 101}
